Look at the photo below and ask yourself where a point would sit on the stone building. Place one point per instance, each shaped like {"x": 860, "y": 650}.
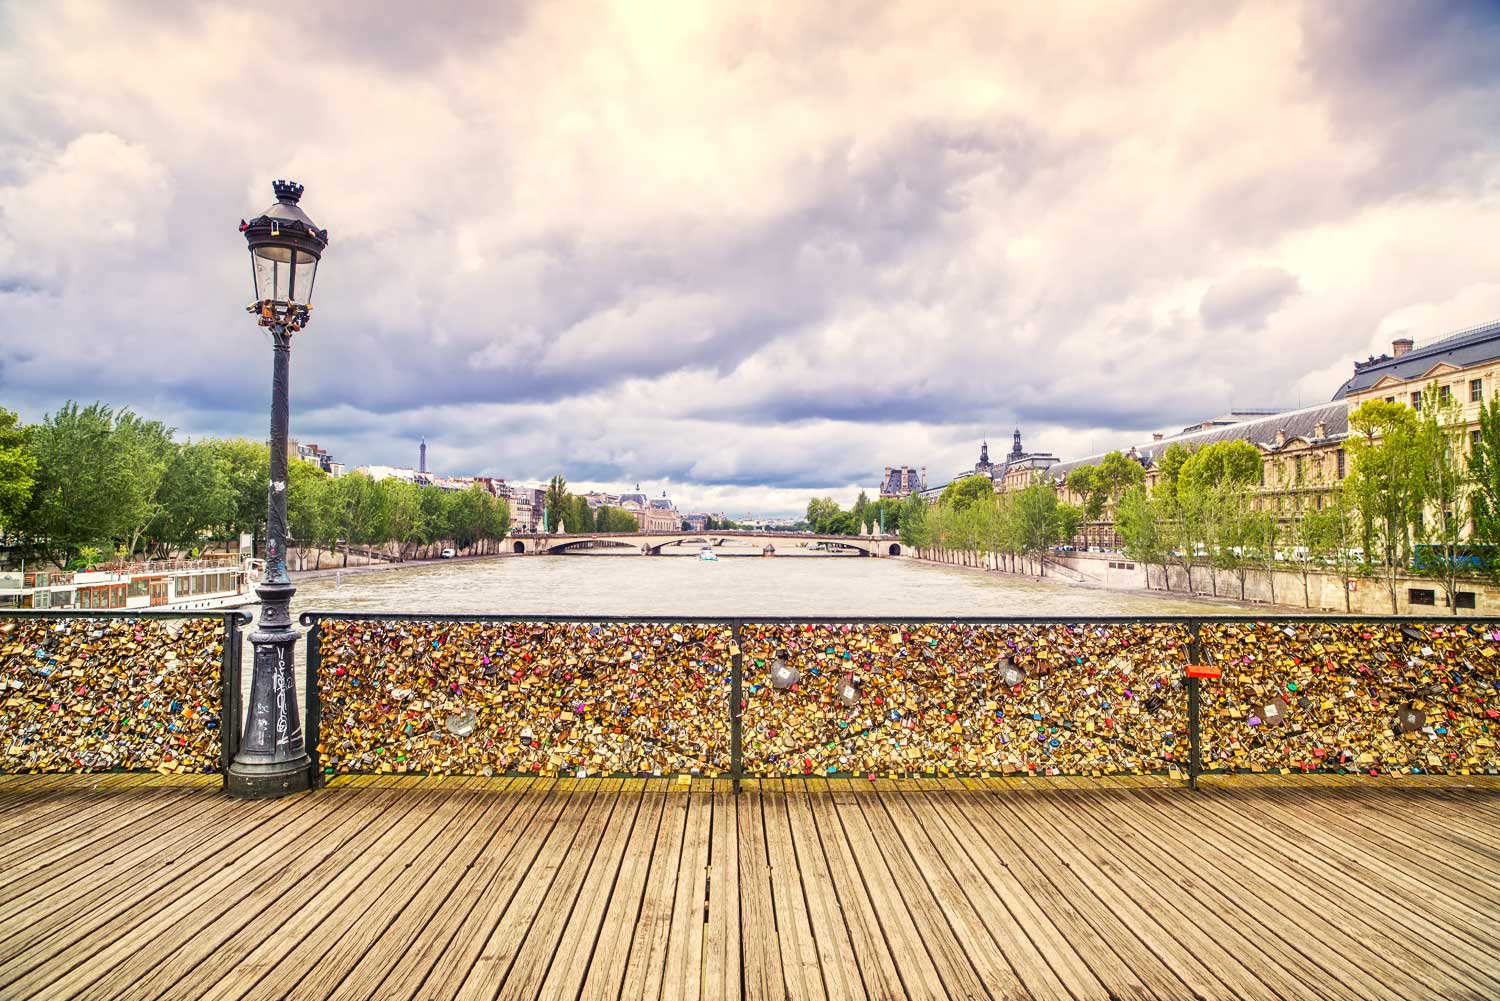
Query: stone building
{"x": 901, "y": 481}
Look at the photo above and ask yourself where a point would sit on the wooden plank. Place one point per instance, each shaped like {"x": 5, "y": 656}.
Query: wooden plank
{"x": 177, "y": 935}
{"x": 32, "y": 939}
{"x": 1324, "y": 874}
{"x": 646, "y": 961}
{"x": 1371, "y": 965}
{"x": 683, "y": 974}
{"x": 800, "y": 965}
{"x": 47, "y": 875}
{"x": 851, "y": 946}
{"x": 568, "y": 964}
{"x": 722, "y": 976}
{"x": 76, "y": 826}
{"x": 557, "y": 817}
{"x": 231, "y": 975}
{"x": 1157, "y": 906}
{"x": 1079, "y": 938}
{"x": 1366, "y": 862}
{"x": 363, "y": 927}
{"x": 982, "y": 925}
{"x": 1273, "y": 930}
{"x": 842, "y": 828}
{"x": 583, "y": 819}
{"x": 883, "y": 856}
{"x": 760, "y": 948}
{"x": 1389, "y": 834}
{"x": 605, "y": 971}
{"x": 482, "y": 883}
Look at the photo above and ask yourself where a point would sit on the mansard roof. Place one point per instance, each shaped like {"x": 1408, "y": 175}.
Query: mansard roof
{"x": 1262, "y": 431}
{"x": 1465, "y": 348}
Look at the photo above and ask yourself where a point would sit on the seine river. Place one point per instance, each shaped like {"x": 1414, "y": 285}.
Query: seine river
{"x": 629, "y": 584}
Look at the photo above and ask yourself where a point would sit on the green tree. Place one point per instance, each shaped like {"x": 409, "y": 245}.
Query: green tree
{"x": 913, "y": 528}
{"x": 84, "y": 492}
{"x": 246, "y": 467}
{"x": 1038, "y": 522}
{"x": 1383, "y": 446}
{"x": 497, "y": 519}
{"x": 1169, "y": 466}
{"x": 149, "y": 450}
{"x": 17, "y": 469}
{"x": 1440, "y": 471}
{"x": 1484, "y": 475}
{"x": 308, "y": 508}
{"x": 1140, "y": 519}
{"x": 861, "y": 511}
{"x": 959, "y": 494}
{"x": 555, "y": 508}
{"x": 821, "y": 511}
{"x": 194, "y": 498}
{"x": 405, "y": 520}
{"x": 1103, "y": 484}
{"x": 358, "y": 511}
{"x": 580, "y": 516}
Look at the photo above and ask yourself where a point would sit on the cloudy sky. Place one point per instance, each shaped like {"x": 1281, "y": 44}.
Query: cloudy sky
{"x": 745, "y": 255}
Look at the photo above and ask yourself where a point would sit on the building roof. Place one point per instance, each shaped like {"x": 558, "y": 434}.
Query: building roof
{"x": 1461, "y": 349}
{"x": 1261, "y": 431}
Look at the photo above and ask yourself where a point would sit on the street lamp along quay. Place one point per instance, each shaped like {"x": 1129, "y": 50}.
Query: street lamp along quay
{"x": 285, "y": 247}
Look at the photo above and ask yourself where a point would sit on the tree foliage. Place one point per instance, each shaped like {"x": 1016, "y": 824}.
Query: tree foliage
{"x": 17, "y": 469}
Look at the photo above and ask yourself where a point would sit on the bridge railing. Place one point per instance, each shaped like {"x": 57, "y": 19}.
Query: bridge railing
{"x": 119, "y": 691}
{"x": 745, "y": 697}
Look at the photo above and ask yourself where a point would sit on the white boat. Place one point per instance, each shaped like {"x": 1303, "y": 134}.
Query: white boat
{"x": 706, "y": 554}
{"x": 211, "y": 582}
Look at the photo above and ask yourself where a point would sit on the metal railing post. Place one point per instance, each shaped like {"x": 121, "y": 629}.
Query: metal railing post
{"x": 314, "y": 713}
{"x": 736, "y": 705}
{"x": 229, "y": 696}
{"x": 1195, "y": 747}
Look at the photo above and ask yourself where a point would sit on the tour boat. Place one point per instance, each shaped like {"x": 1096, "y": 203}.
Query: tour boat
{"x": 210, "y": 582}
{"x": 706, "y": 554}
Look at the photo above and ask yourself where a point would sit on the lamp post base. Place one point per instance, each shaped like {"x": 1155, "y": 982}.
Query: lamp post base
{"x": 272, "y": 760}
{"x": 270, "y": 780}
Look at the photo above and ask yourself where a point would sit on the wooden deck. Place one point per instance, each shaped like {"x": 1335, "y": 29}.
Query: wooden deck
{"x": 149, "y": 887}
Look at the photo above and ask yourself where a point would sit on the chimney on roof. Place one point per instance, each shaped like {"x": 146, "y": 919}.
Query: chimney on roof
{"x": 1320, "y": 430}
{"x": 1281, "y": 436}
{"x": 1400, "y": 346}
{"x": 1156, "y": 436}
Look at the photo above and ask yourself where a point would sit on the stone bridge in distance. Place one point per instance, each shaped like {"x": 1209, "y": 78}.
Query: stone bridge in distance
{"x": 731, "y": 542}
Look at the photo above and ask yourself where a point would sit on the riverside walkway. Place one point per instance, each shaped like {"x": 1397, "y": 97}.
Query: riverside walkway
{"x": 389, "y": 887}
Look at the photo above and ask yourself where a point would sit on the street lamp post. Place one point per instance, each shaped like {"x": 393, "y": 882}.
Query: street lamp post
{"x": 285, "y": 247}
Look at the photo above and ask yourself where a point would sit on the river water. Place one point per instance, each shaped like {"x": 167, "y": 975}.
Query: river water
{"x": 629, "y": 584}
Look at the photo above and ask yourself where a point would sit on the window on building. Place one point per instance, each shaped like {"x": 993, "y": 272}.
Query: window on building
{"x": 1297, "y": 466}
{"x": 1474, "y": 438}
{"x": 1390, "y": 399}
{"x": 1445, "y": 394}
{"x": 1421, "y": 596}
{"x": 1476, "y": 390}
{"x": 1463, "y": 599}
{"x": 1416, "y": 401}
{"x": 1340, "y": 455}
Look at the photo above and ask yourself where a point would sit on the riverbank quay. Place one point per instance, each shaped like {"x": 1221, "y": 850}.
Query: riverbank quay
{"x": 1286, "y": 589}
{"x": 398, "y": 887}
{"x": 367, "y": 568}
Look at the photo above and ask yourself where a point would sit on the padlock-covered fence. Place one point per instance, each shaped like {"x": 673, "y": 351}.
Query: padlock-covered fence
{"x": 121, "y": 691}
{"x": 879, "y": 696}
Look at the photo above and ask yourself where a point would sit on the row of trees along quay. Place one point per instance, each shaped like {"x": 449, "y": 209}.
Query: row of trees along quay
{"x": 94, "y": 482}
{"x": 1421, "y": 498}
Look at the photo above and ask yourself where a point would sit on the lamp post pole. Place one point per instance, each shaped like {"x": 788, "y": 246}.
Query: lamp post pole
{"x": 273, "y": 759}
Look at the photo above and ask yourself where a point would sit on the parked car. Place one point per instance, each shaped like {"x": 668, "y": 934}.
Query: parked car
{"x": 448, "y": 554}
